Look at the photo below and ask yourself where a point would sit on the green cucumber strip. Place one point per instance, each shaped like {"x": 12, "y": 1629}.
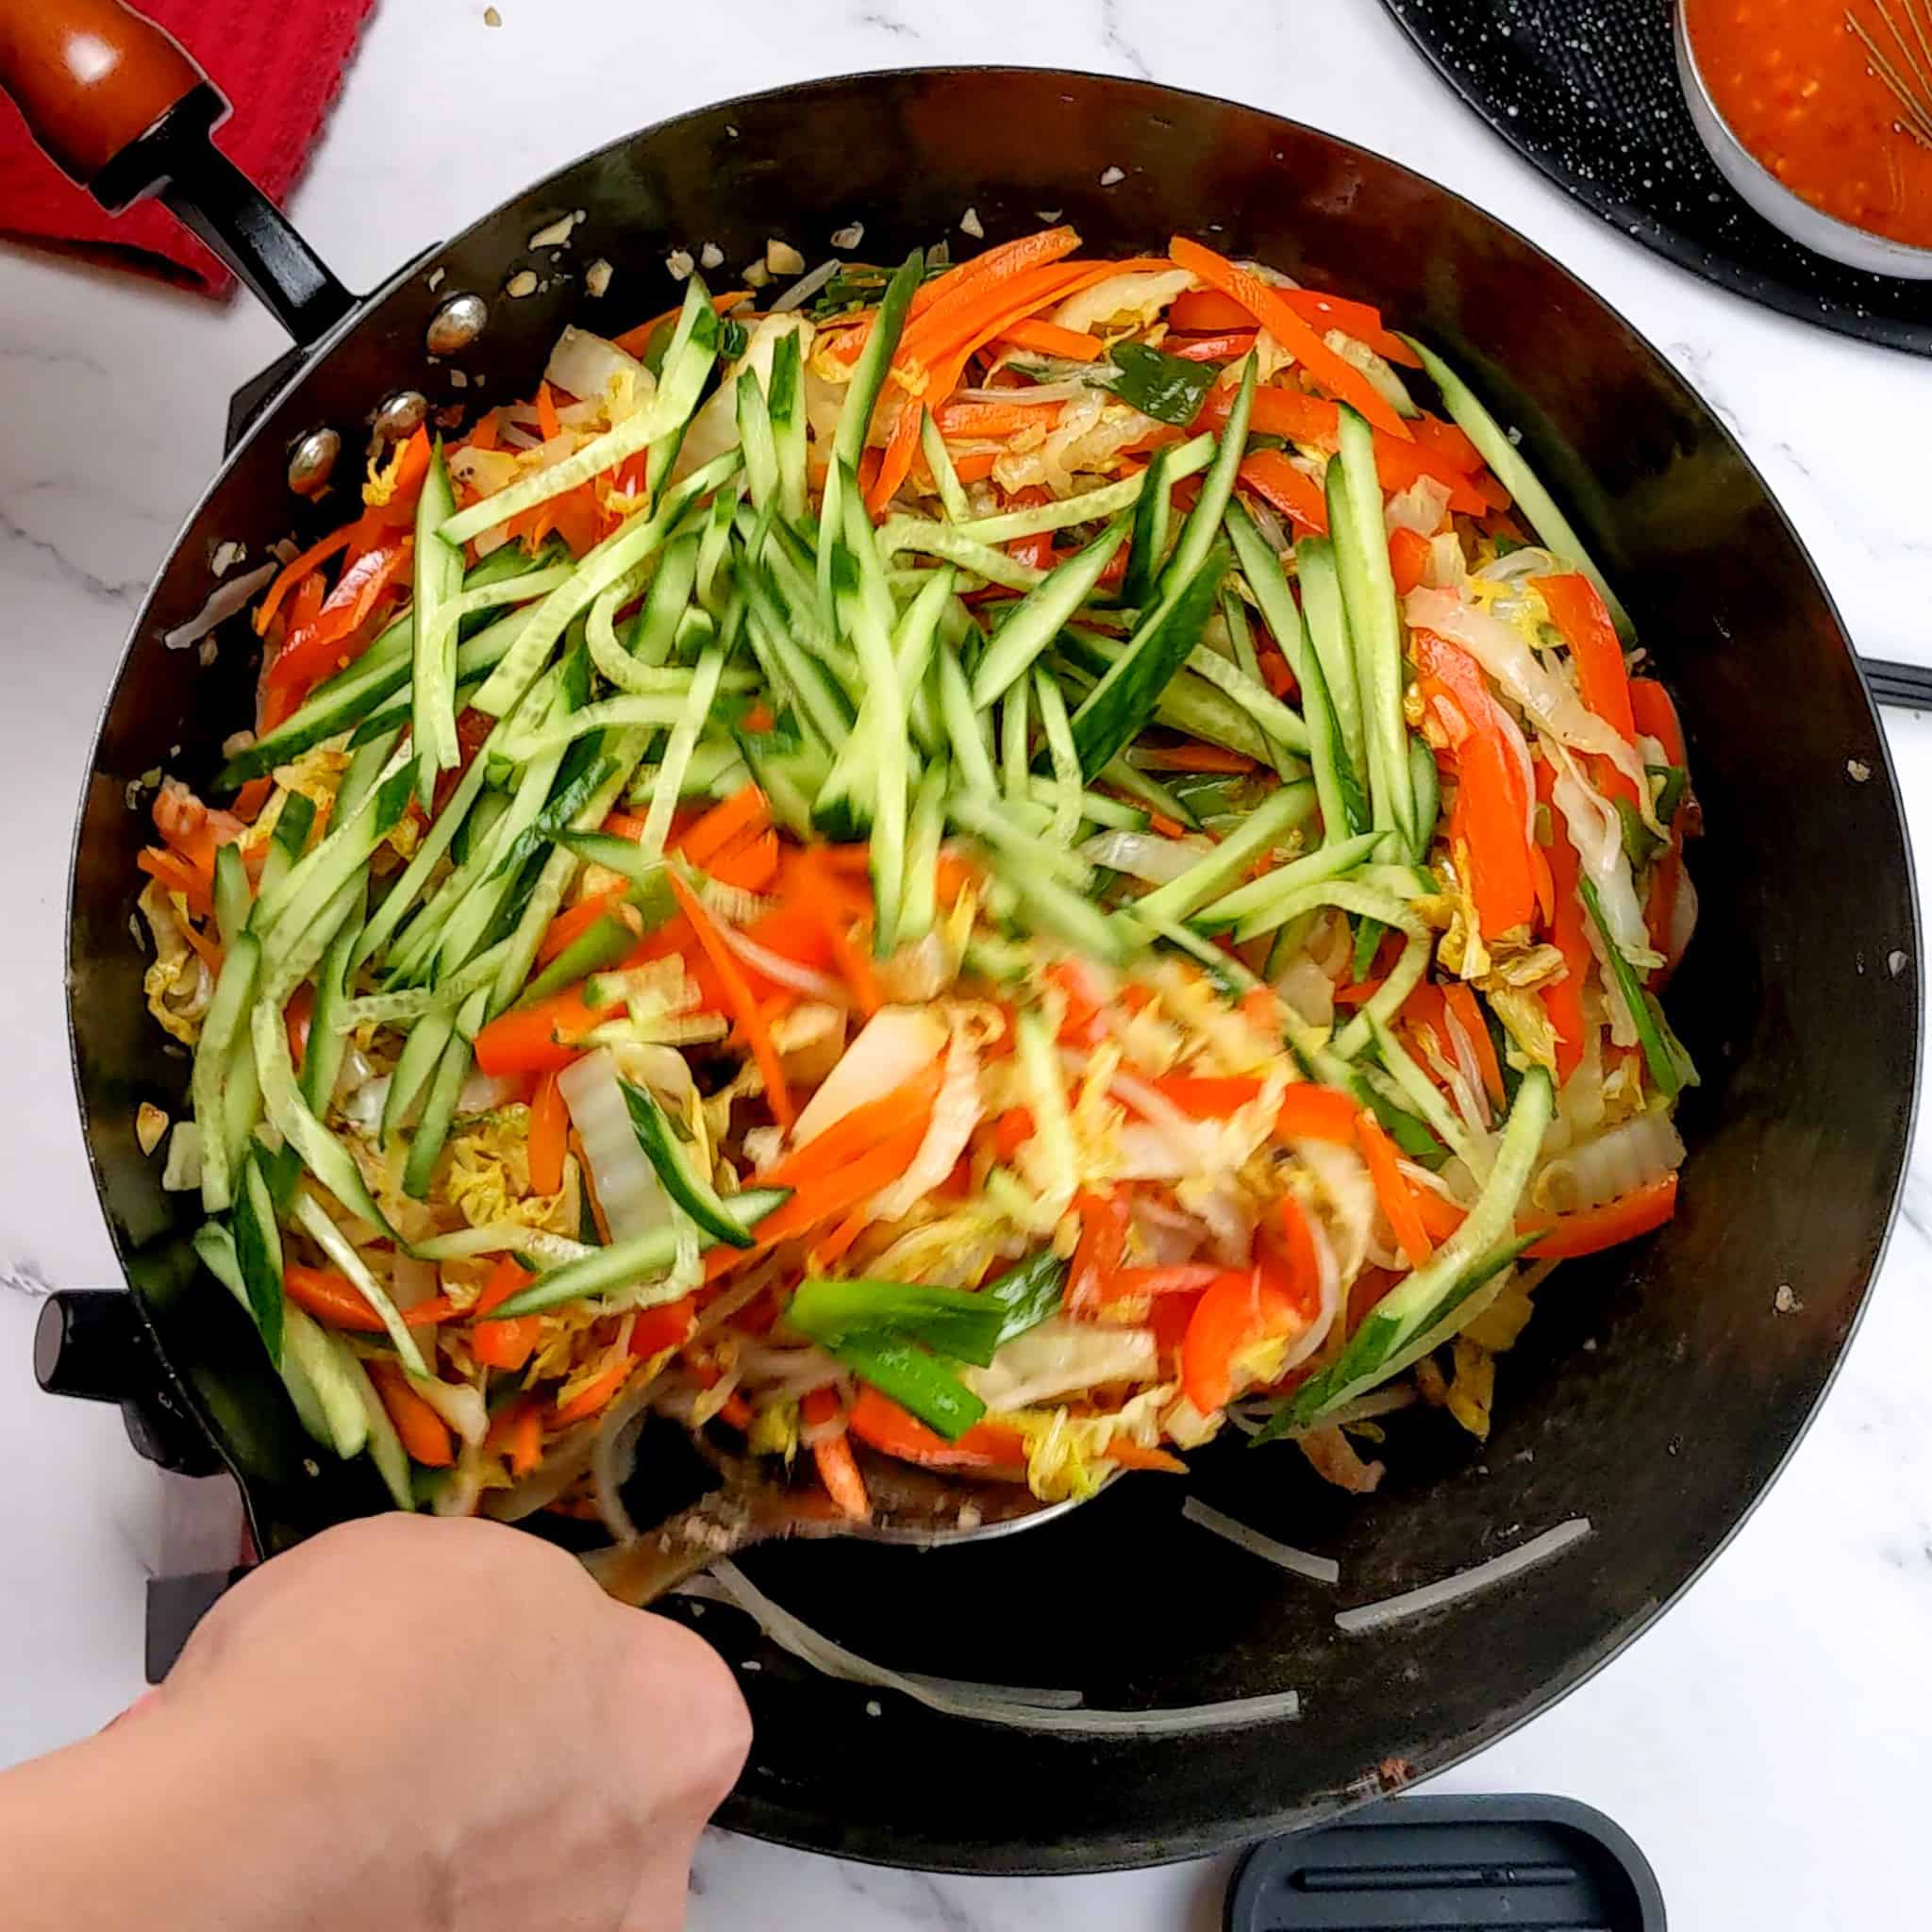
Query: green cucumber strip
{"x": 667, "y": 411}
{"x": 440, "y": 1106}
{"x": 1290, "y": 901}
{"x": 386, "y": 1449}
{"x": 1240, "y": 637}
{"x": 1094, "y": 505}
{"x": 821, "y": 705}
{"x": 220, "y": 1044}
{"x": 606, "y": 942}
{"x": 415, "y": 1069}
{"x": 787, "y": 772}
{"x": 1669, "y": 1071}
{"x": 607, "y": 715}
{"x": 1187, "y": 702}
{"x": 1426, "y": 784}
{"x": 1117, "y": 710}
{"x": 294, "y": 823}
{"x": 712, "y": 587}
{"x": 1039, "y": 618}
{"x": 955, "y": 1322}
{"x": 938, "y": 458}
{"x": 965, "y": 729}
{"x": 1067, "y": 790}
{"x": 439, "y": 581}
{"x": 324, "y": 1156}
{"x": 677, "y": 751}
{"x": 1419, "y": 1094}
{"x": 1150, "y": 792}
{"x": 474, "y": 661}
{"x": 316, "y": 877}
{"x": 1096, "y": 808}
{"x": 616, "y": 557}
{"x": 284, "y": 971}
{"x": 1325, "y": 862}
{"x": 259, "y": 1255}
{"x": 1328, "y": 638}
{"x": 994, "y": 822}
{"x": 690, "y": 1191}
{"x": 234, "y": 899}
{"x": 915, "y": 638}
{"x": 321, "y": 1059}
{"x": 1223, "y": 968}
{"x": 621, "y": 1264}
{"x": 755, "y": 437}
{"x": 928, "y": 538}
{"x": 786, "y": 404}
{"x": 1044, "y": 1086}
{"x": 1203, "y": 526}
{"x": 925, "y": 830}
{"x": 1152, "y": 531}
{"x": 1368, "y": 593}
{"x": 1515, "y": 474}
{"x": 315, "y": 1221}
{"x": 1412, "y": 1307}
{"x": 1015, "y": 730}
{"x": 371, "y": 766}
{"x": 868, "y": 374}
{"x": 1264, "y": 828}
{"x": 1277, "y": 723}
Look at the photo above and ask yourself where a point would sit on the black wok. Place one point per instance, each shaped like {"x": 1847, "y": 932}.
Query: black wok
{"x": 1658, "y": 1393}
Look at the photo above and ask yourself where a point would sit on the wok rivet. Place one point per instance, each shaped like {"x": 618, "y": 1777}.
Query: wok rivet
{"x": 399, "y": 416}
{"x": 311, "y": 460}
{"x": 457, "y": 324}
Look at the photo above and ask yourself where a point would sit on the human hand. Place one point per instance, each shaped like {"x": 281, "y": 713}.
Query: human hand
{"x": 408, "y": 1724}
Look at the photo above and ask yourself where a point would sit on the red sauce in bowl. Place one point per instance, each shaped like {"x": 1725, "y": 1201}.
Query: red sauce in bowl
{"x": 1801, "y": 90}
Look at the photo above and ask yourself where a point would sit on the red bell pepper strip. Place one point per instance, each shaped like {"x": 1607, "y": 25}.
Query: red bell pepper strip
{"x": 1578, "y": 611}
{"x": 1563, "y": 998}
{"x": 1105, "y": 1218}
{"x": 540, "y": 1038}
{"x": 1293, "y": 491}
{"x": 880, "y": 1423}
{"x": 1228, "y": 348}
{"x": 336, "y": 635}
{"x": 1236, "y": 1313}
{"x": 1492, "y": 807}
{"x": 504, "y": 1344}
{"x": 1204, "y": 1098}
{"x": 1409, "y": 558}
{"x": 1291, "y": 413}
{"x": 1265, "y": 303}
{"x": 1398, "y": 463}
{"x": 294, "y": 571}
{"x": 1621, "y": 1219}
{"x": 1459, "y": 996}
{"x": 1316, "y": 1113}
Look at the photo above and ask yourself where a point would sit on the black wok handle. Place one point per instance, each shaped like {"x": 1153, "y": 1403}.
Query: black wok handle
{"x": 117, "y": 105}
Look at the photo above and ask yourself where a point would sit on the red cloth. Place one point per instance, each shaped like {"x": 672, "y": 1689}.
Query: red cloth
{"x": 279, "y": 64}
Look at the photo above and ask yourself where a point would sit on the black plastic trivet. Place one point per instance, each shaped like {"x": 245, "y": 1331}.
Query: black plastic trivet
{"x": 1524, "y": 1864}
{"x": 1588, "y": 90}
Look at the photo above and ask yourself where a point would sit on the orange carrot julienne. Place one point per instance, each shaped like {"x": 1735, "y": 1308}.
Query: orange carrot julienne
{"x": 994, "y": 419}
{"x": 906, "y": 1106}
{"x": 1295, "y": 335}
{"x": 833, "y": 1454}
{"x": 738, "y": 994}
{"x": 549, "y": 1132}
{"x": 1459, "y": 996}
{"x": 829, "y": 1250}
{"x": 425, "y": 1434}
{"x": 1393, "y": 1190}
{"x": 976, "y": 465}
{"x": 1050, "y": 339}
{"x": 546, "y": 414}
{"x": 295, "y": 570}
{"x": 750, "y": 864}
{"x": 595, "y": 1394}
{"x": 746, "y": 810}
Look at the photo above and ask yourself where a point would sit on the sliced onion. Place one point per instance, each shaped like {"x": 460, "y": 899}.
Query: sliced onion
{"x": 981, "y": 1702}
{"x": 222, "y": 603}
{"x": 628, "y": 1191}
{"x": 1145, "y": 855}
{"x": 485, "y": 1092}
{"x": 411, "y": 1281}
{"x": 806, "y": 287}
{"x": 1032, "y": 395}
{"x": 784, "y": 972}
{"x": 1431, "y": 1596}
{"x": 895, "y": 1043}
{"x": 1300, "y": 1563}
{"x": 955, "y": 1114}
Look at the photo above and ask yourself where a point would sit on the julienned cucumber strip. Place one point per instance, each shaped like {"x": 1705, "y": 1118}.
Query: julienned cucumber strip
{"x": 1514, "y": 474}
{"x": 438, "y": 1109}
{"x": 1152, "y": 529}
{"x": 1330, "y": 642}
{"x": 689, "y": 1189}
{"x": 1203, "y": 526}
{"x": 259, "y": 1255}
{"x": 222, "y": 1039}
{"x": 972, "y": 758}
{"x": 439, "y": 580}
{"x": 322, "y": 1154}
{"x": 1368, "y": 593}
{"x": 1671, "y": 1068}
{"x": 869, "y": 376}
{"x": 1187, "y": 702}
{"x": 1183, "y": 459}
{"x": 1039, "y": 618}
{"x": 621, "y": 1264}
{"x": 1264, "y": 828}
{"x": 666, "y": 412}
{"x": 1412, "y": 1307}
{"x": 1118, "y": 707}
{"x": 939, "y": 461}
{"x": 785, "y": 400}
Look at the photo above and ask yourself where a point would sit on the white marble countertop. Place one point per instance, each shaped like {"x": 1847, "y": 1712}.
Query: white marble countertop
{"x": 1767, "y": 1744}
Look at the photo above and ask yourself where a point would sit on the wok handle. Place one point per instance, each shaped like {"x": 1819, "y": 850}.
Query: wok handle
{"x": 117, "y": 105}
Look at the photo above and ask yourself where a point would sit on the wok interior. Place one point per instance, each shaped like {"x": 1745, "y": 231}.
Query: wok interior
{"x": 1799, "y": 1000}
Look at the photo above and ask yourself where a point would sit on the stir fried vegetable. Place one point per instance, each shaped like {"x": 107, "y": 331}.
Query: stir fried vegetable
{"x": 1006, "y": 869}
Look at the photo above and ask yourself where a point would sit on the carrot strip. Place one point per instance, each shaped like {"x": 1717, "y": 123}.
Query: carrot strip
{"x": 1050, "y": 339}
{"x": 1393, "y": 1190}
{"x": 549, "y": 1132}
{"x": 827, "y": 1251}
{"x": 1288, "y": 328}
{"x": 976, "y": 465}
{"x": 1459, "y": 996}
{"x": 575, "y": 921}
{"x": 833, "y": 1455}
{"x": 595, "y": 1395}
{"x": 635, "y": 341}
{"x": 1195, "y": 758}
{"x": 1621, "y": 1219}
{"x": 738, "y": 994}
{"x": 908, "y": 1104}
{"x": 1316, "y": 1113}
{"x": 175, "y": 874}
{"x": 993, "y": 419}
{"x": 425, "y": 1433}
{"x": 744, "y": 811}
{"x": 295, "y": 570}
{"x": 751, "y": 865}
